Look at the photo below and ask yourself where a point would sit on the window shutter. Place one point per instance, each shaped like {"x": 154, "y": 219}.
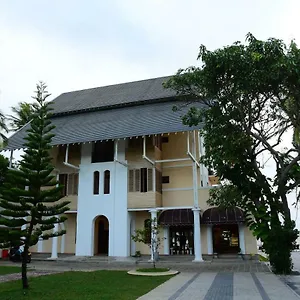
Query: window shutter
{"x": 70, "y": 184}
{"x": 76, "y": 179}
{"x": 158, "y": 181}
{"x": 137, "y": 177}
{"x": 131, "y": 181}
{"x": 150, "y": 180}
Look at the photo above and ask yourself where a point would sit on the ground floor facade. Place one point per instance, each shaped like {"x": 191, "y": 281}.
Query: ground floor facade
{"x": 180, "y": 233}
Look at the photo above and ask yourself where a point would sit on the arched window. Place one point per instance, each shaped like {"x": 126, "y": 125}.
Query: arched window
{"x": 96, "y": 182}
{"x": 147, "y": 227}
{"x": 107, "y": 182}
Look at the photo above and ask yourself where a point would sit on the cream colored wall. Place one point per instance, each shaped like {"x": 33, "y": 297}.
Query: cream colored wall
{"x": 70, "y": 226}
{"x": 58, "y": 156}
{"x": 203, "y": 239}
{"x": 250, "y": 242}
{"x": 176, "y": 146}
{"x": 140, "y": 217}
{"x": 73, "y": 201}
{"x": 178, "y": 177}
{"x": 177, "y": 198}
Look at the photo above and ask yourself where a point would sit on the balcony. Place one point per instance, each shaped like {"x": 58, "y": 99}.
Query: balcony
{"x": 144, "y": 200}
{"x": 70, "y": 191}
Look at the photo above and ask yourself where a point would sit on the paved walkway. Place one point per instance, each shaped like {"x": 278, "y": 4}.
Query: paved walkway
{"x": 223, "y": 286}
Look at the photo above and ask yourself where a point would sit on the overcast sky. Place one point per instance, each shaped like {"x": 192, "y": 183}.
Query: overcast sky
{"x": 73, "y": 45}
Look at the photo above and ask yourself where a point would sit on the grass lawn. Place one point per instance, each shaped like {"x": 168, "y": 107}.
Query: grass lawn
{"x": 83, "y": 285}
{"x": 9, "y": 270}
{"x": 153, "y": 270}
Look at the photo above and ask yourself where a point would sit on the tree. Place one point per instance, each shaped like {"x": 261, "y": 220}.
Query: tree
{"x": 35, "y": 206}
{"x": 23, "y": 114}
{"x": 250, "y": 103}
{"x": 149, "y": 236}
{"x": 3, "y": 168}
{"x": 3, "y": 129}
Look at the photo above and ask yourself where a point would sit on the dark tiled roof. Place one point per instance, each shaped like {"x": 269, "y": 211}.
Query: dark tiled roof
{"x": 130, "y": 121}
{"x": 112, "y": 95}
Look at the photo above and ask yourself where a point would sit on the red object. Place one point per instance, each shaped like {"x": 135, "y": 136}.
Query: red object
{"x": 4, "y": 253}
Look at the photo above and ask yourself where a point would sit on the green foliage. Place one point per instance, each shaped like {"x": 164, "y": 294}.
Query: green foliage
{"x": 3, "y": 129}
{"x": 3, "y": 168}
{"x": 250, "y": 97}
{"x": 149, "y": 236}
{"x": 23, "y": 113}
{"x": 24, "y": 198}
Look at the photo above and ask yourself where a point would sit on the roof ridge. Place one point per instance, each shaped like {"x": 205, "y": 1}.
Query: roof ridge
{"x": 115, "y": 84}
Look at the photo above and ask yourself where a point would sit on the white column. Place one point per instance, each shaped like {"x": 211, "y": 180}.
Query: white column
{"x": 242, "y": 238}
{"x": 54, "y": 243}
{"x": 166, "y": 241}
{"x": 63, "y": 239}
{"x": 197, "y": 235}
{"x": 40, "y": 245}
{"x": 153, "y": 230}
{"x": 132, "y": 232}
{"x": 209, "y": 234}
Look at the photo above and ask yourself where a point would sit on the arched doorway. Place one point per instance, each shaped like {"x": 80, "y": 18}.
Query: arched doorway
{"x": 101, "y": 237}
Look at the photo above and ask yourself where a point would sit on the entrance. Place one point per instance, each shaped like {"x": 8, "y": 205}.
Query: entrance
{"x": 181, "y": 240}
{"x": 226, "y": 238}
{"x": 101, "y": 236}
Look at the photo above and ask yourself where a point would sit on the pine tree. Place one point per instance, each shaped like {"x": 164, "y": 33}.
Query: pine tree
{"x": 30, "y": 194}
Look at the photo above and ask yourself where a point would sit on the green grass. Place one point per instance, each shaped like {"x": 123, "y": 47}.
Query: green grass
{"x": 262, "y": 258}
{"x": 82, "y": 285}
{"x": 9, "y": 270}
{"x": 153, "y": 270}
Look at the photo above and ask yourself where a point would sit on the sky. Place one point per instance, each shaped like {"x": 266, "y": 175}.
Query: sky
{"x": 72, "y": 45}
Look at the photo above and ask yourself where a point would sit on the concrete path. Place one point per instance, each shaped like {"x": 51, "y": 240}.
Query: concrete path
{"x": 223, "y": 286}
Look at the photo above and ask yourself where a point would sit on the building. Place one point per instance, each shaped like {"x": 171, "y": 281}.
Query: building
{"x": 125, "y": 157}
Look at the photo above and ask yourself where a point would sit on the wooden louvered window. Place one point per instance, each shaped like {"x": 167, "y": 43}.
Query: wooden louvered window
{"x": 96, "y": 182}
{"x": 63, "y": 180}
{"x": 150, "y": 180}
{"x": 73, "y": 184}
{"x": 107, "y": 182}
{"x": 70, "y": 183}
{"x": 158, "y": 181}
{"x": 140, "y": 180}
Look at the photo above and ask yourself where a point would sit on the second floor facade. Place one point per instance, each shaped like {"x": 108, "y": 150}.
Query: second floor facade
{"x": 158, "y": 170}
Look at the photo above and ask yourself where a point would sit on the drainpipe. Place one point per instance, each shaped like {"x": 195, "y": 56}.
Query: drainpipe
{"x": 144, "y": 152}
{"x": 66, "y": 163}
{"x": 116, "y": 156}
{"x": 189, "y": 152}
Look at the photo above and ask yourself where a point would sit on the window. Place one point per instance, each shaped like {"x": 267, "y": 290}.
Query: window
{"x": 107, "y": 182}
{"x": 158, "y": 181}
{"x": 147, "y": 227}
{"x": 63, "y": 180}
{"x": 96, "y": 182}
{"x": 103, "y": 152}
{"x": 144, "y": 181}
{"x": 140, "y": 180}
{"x": 70, "y": 183}
{"x": 165, "y": 179}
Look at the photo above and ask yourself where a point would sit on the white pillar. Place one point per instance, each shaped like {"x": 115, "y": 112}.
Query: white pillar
{"x": 153, "y": 230}
{"x": 40, "y": 245}
{"x": 242, "y": 238}
{"x": 197, "y": 235}
{"x": 132, "y": 232}
{"x": 63, "y": 239}
{"x": 166, "y": 241}
{"x": 209, "y": 234}
{"x": 54, "y": 243}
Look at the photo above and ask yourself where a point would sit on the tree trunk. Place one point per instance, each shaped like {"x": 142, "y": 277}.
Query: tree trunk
{"x": 24, "y": 268}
